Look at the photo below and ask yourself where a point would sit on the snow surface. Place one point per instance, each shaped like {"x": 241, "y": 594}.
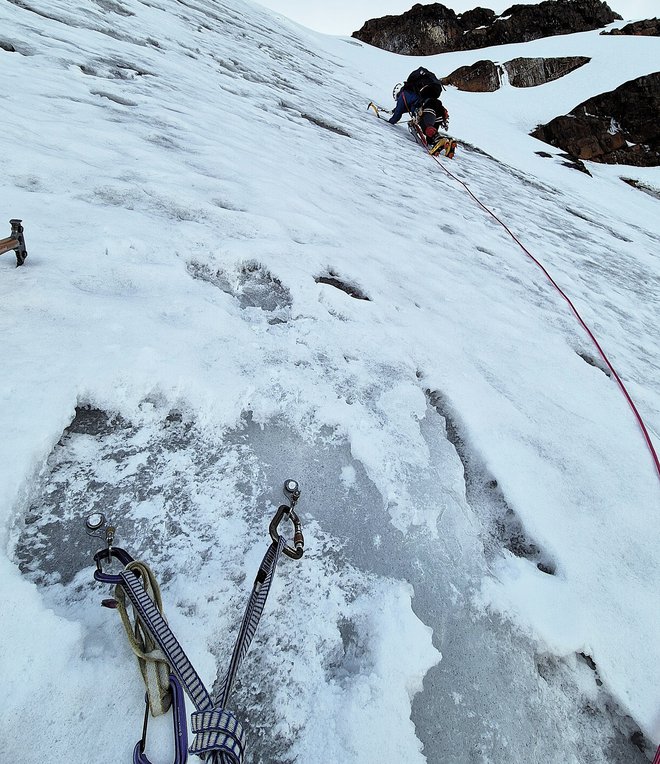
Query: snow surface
{"x": 196, "y": 180}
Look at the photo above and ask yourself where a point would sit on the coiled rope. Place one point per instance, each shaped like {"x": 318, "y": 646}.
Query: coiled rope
{"x": 153, "y": 664}
{"x": 591, "y": 335}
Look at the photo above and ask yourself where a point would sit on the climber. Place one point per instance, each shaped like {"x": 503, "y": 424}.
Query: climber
{"x": 420, "y": 97}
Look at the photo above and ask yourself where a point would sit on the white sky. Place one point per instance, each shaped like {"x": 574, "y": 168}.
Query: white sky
{"x": 346, "y": 16}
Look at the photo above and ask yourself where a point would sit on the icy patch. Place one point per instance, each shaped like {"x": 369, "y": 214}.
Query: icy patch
{"x": 503, "y": 529}
{"x": 331, "y": 658}
{"x": 114, "y": 69}
{"x": 597, "y": 363}
{"x": 251, "y": 284}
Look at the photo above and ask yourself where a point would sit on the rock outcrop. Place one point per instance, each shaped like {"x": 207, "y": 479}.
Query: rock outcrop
{"x": 648, "y": 28}
{"x": 619, "y": 127}
{"x": 486, "y": 76}
{"x": 430, "y": 29}
{"x": 530, "y": 72}
{"x": 421, "y": 31}
{"x": 482, "y": 77}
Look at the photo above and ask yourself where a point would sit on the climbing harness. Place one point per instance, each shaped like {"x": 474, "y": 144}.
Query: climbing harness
{"x": 219, "y": 737}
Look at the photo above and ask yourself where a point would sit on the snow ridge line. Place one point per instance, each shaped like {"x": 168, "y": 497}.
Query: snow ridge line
{"x": 623, "y": 388}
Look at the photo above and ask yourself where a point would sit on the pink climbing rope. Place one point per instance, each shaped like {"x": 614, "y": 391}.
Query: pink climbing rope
{"x": 601, "y": 352}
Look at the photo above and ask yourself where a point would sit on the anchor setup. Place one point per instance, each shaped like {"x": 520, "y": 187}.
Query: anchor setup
{"x": 168, "y": 675}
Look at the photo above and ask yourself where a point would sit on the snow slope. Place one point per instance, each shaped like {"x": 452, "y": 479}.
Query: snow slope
{"x": 480, "y": 510}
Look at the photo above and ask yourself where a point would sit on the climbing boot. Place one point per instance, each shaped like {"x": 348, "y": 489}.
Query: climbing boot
{"x": 437, "y": 145}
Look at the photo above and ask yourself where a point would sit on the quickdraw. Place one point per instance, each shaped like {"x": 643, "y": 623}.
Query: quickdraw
{"x": 219, "y": 736}
{"x": 178, "y": 720}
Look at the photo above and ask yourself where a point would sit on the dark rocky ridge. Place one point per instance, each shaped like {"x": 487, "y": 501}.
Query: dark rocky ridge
{"x": 530, "y": 72}
{"x": 619, "y": 127}
{"x": 430, "y": 29}
{"x": 486, "y": 76}
{"x": 648, "y": 28}
{"x": 481, "y": 77}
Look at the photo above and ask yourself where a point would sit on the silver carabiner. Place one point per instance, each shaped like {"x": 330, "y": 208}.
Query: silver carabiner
{"x": 292, "y": 492}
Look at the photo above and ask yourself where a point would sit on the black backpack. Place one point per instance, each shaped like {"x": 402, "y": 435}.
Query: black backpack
{"x": 424, "y": 83}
